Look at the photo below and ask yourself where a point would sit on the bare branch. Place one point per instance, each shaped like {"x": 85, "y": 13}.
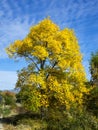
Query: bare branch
{"x": 33, "y": 62}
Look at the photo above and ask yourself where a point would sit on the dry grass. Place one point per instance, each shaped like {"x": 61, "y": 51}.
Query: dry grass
{"x": 25, "y": 121}
{"x": 19, "y": 127}
{"x": 36, "y": 125}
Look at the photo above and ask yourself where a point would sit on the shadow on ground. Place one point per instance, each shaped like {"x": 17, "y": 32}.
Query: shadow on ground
{"x": 16, "y": 118}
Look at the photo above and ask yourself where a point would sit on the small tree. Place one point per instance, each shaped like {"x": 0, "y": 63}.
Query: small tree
{"x": 94, "y": 69}
{"x": 9, "y": 98}
{"x": 4, "y": 111}
{"x": 93, "y": 97}
{"x": 55, "y": 76}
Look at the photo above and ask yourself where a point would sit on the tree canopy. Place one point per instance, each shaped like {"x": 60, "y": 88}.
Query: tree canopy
{"x": 55, "y": 75}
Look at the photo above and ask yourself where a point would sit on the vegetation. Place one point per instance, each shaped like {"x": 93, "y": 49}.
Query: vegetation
{"x": 53, "y": 88}
{"x": 94, "y": 69}
{"x": 55, "y": 75}
{"x": 9, "y": 98}
{"x": 93, "y": 97}
{"x": 7, "y": 102}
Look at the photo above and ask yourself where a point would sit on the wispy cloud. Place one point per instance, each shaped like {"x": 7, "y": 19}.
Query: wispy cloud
{"x": 14, "y": 24}
{"x": 69, "y": 11}
{"x": 9, "y": 32}
{"x": 7, "y": 79}
{"x": 82, "y": 15}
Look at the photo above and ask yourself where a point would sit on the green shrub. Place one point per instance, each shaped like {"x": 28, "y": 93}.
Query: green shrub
{"x": 73, "y": 120}
{"x": 34, "y": 124}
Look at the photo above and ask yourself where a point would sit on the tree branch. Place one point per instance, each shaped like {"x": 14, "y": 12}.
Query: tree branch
{"x": 33, "y": 62}
{"x": 51, "y": 68}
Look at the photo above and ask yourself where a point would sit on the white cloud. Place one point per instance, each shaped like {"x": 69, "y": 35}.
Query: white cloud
{"x": 12, "y": 31}
{"x": 16, "y": 19}
{"x": 14, "y": 23}
{"x": 7, "y": 79}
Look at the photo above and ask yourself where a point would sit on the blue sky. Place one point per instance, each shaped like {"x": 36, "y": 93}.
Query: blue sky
{"x": 16, "y": 17}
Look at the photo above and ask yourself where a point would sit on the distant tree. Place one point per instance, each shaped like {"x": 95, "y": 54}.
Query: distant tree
{"x": 94, "y": 69}
{"x": 93, "y": 97}
{"x": 9, "y": 97}
{"x": 0, "y": 96}
{"x": 55, "y": 75}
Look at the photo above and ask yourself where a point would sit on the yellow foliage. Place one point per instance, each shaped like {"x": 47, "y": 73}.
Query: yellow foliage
{"x": 58, "y": 72}
{"x": 40, "y": 52}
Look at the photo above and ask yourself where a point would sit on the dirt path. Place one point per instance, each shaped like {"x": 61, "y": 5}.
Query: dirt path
{"x": 1, "y": 126}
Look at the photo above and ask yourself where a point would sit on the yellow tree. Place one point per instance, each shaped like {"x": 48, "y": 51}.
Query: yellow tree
{"x": 55, "y": 76}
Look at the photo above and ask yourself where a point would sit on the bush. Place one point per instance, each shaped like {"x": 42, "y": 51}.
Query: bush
{"x": 34, "y": 124}
{"x": 9, "y": 98}
{"x": 92, "y": 104}
{"x": 73, "y": 120}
